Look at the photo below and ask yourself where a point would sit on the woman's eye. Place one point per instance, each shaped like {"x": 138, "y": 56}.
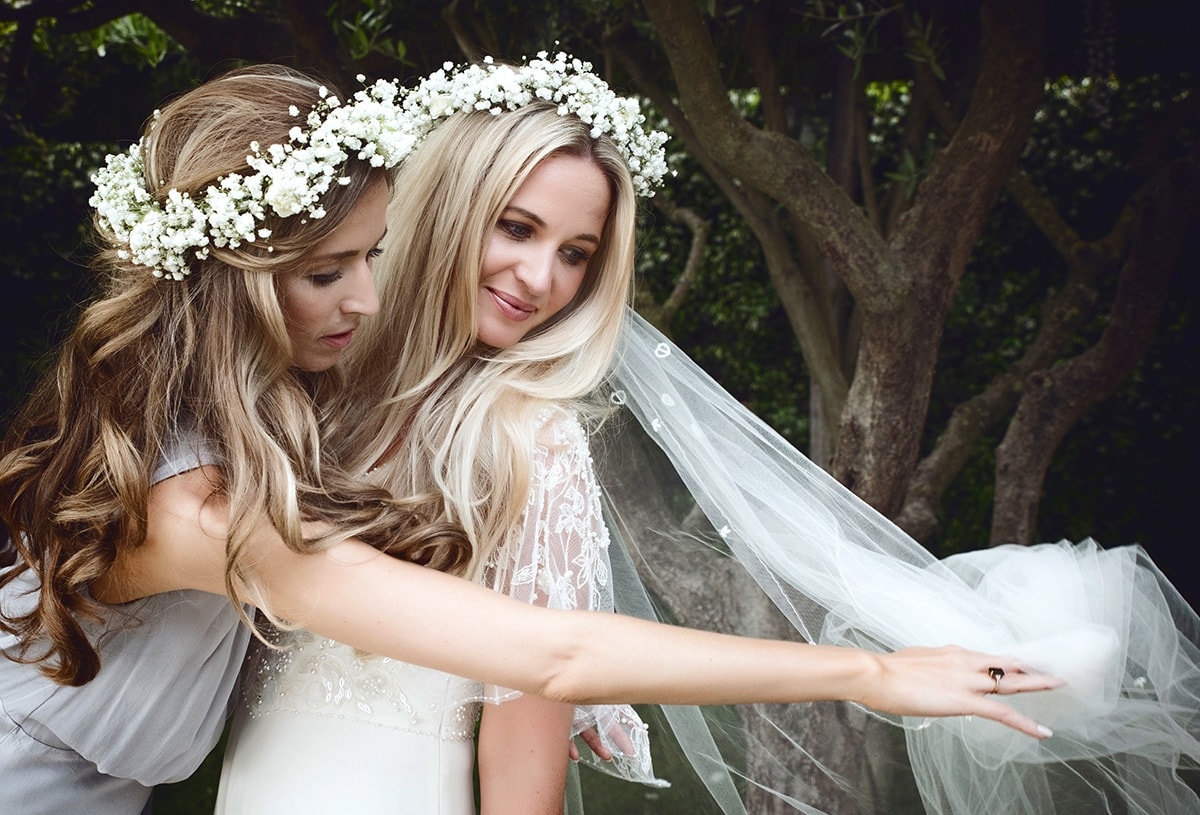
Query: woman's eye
{"x": 374, "y": 253}
{"x": 516, "y": 230}
{"x": 325, "y": 278}
{"x": 575, "y": 257}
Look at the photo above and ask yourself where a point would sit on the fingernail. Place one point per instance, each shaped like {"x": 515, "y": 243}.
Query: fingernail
{"x": 1044, "y": 731}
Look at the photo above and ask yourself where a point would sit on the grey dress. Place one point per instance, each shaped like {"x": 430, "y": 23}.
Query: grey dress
{"x": 169, "y": 670}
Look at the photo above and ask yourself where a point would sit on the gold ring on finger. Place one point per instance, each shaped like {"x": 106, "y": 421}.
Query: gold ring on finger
{"x": 996, "y": 674}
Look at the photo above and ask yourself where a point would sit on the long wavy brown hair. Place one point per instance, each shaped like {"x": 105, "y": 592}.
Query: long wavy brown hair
{"x": 210, "y": 355}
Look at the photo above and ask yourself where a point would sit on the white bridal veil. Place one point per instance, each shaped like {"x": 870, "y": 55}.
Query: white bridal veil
{"x": 1126, "y": 725}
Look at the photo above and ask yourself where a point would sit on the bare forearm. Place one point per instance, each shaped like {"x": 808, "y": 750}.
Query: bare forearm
{"x": 397, "y": 609}
{"x": 523, "y": 756}
{"x": 674, "y": 665}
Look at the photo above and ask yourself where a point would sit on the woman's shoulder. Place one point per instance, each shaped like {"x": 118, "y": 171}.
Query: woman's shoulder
{"x": 558, "y": 426}
{"x": 185, "y": 541}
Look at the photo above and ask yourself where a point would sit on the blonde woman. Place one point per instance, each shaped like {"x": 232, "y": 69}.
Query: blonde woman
{"x": 504, "y": 288}
{"x": 507, "y": 274}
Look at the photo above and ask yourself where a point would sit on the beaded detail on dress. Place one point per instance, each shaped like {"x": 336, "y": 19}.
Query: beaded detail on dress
{"x": 320, "y": 677}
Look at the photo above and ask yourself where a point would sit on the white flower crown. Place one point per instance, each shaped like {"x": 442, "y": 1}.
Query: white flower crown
{"x": 563, "y": 81}
{"x": 381, "y": 124}
{"x": 290, "y": 179}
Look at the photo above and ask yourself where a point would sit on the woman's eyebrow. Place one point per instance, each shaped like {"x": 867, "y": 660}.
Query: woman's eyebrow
{"x": 346, "y": 253}
{"x": 583, "y": 236}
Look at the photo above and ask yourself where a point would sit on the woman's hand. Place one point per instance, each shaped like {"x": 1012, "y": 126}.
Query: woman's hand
{"x": 951, "y": 681}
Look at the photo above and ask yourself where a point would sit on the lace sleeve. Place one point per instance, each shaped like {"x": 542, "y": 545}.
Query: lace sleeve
{"x": 557, "y": 557}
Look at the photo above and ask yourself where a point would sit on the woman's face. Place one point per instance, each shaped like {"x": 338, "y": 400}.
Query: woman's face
{"x": 325, "y": 299}
{"x": 538, "y": 254}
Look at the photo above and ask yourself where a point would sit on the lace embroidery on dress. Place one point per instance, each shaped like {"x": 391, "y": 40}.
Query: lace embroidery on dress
{"x": 558, "y": 558}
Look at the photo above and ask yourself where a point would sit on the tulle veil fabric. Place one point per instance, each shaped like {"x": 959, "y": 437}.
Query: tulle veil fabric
{"x": 754, "y": 519}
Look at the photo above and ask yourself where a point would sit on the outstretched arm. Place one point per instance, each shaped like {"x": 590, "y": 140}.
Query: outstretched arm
{"x": 356, "y": 595}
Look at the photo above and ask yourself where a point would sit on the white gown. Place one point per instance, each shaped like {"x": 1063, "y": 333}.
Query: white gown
{"x": 323, "y": 728}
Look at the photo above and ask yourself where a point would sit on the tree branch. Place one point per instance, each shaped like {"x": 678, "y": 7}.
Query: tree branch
{"x": 1053, "y": 400}
{"x": 1036, "y": 206}
{"x": 70, "y": 16}
{"x": 967, "y": 175}
{"x": 1063, "y": 315}
{"x": 762, "y": 68}
{"x": 661, "y": 315}
{"x": 808, "y": 321}
{"x": 866, "y": 174}
{"x": 913, "y": 133}
{"x": 801, "y": 304}
{"x": 770, "y": 162}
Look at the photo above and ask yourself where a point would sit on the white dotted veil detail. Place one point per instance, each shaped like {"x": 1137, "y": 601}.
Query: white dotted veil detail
{"x": 1105, "y": 620}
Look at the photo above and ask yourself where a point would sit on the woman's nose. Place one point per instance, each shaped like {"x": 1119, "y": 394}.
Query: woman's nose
{"x": 535, "y": 271}
{"x": 362, "y": 298}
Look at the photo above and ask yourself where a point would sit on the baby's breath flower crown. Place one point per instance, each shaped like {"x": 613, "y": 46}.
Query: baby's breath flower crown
{"x": 560, "y": 80}
{"x": 289, "y": 179}
{"x": 381, "y": 124}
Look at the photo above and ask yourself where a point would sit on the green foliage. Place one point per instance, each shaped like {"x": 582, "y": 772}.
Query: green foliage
{"x": 38, "y": 264}
{"x": 888, "y": 104}
{"x": 143, "y": 40}
{"x": 366, "y": 28}
{"x": 82, "y": 93}
{"x": 234, "y": 8}
{"x": 926, "y": 44}
{"x": 854, "y": 27}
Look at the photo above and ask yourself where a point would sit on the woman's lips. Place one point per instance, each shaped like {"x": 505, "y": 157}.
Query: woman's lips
{"x": 338, "y": 340}
{"x": 511, "y": 307}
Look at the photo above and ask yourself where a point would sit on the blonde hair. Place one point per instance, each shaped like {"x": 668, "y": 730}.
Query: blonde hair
{"x": 210, "y": 354}
{"x": 447, "y": 417}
